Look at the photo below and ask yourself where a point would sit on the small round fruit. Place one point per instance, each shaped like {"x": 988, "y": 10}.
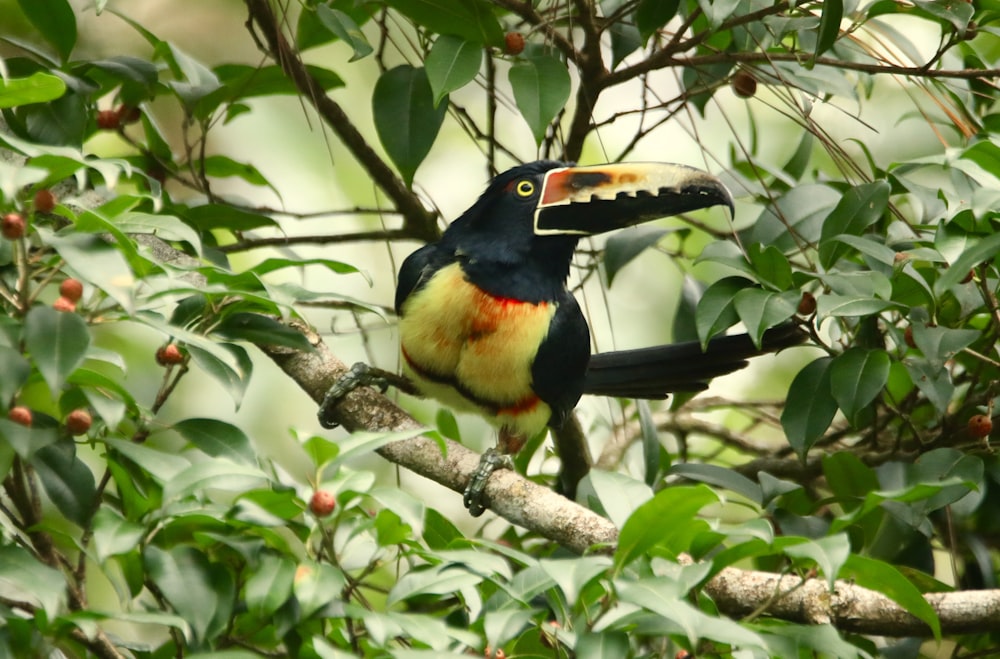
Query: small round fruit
{"x": 807, "y": 304}
{"x": 64, "y": 304}
{"x": 744, "y": 84}
{"x": 12, "y": 226}
{"x": 169, "y": 355}
{"x": 908, "y": 336}
{"x": 45, "y": 201}
{"x": 78, "y": 421}
{"x": 980, "y": 425}
{"x": 71, "y": 289}
{"x": 108, "y": 120}
{"x": 20, "y": 414}
{"x": 322, "y": 503}
{"x": 513, "y": 43}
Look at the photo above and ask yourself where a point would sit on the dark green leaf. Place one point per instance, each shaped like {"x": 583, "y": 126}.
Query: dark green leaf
{"x": 113, "y": 534}
{"x": 660, "y": 520}
{"x": 830, "y": 304}
{"x": 269, "y": 585}
{"x": 541, "y": 88}
{"x": 624, "y": 246}
{"x": 849, "y": 478}
{"x": 829, "y": 554}
{"x": 218, "y": 439}
{"x": 57, "y": 343}
{"x": 224, "y": 216}
{"x": 810, "y": 407}
{"x": 37, "y": 88}
{"x": 223, "y": 166}
{"x": 651, "y": 15}
{"x": 452, "y": 63}
{"x": 344, "y": 27}
{"x": 15, "y": 369}
{"x": 26, "y": 578}
{"x": 406, "y": 119}
{"x": 856, "y": 378}
{"x": 761, "y": 310}
{"x": 889, "y": 581}
{"x": 857, "y": 209}
{"x": 651, "y": 447}
{"x": 199, "y": 591}
{"x": 625, "y": 40}
{"x": 770, "y": 266}
{"x": 55, "y": 20}
{"x": 233, "y": 380}
{"x": 67, "y": 481}
{"x": 984, "y": 250}
{"x": 272, "y": 264}
{"x": 473, "y": 20}
{"x": 956, "y": 12}
{"x": 256, "y": 328}
{"x": 243, "y": 81}
{"x": 716, "y": 311}
{"x": 829, "y": 26}
{"x": 720, "y": 476}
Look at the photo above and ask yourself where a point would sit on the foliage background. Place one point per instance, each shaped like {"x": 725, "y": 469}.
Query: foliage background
{"x": 865, "y": 164}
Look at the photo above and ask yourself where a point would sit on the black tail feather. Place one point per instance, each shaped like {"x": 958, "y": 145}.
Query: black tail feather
{"x": 655, "y": 372}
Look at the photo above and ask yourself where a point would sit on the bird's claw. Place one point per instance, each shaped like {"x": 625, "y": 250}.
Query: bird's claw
{"x": 474, "y": 491}
{"x": 359, "y": 375}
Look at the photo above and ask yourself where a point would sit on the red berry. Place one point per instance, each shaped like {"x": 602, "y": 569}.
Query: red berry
{"x": 128, "y": 114}
{"x": 322, "y": 503}
{"x": 908, "y": 336}
{"x": 45, "y": 201}
{"x": 969, "y": 277}
{"x": 807, "y": 304}
{"x": 108, "y": 120}
{"x": 20, "y": 414}
{"x": 71, "y": 289}
{"x": 980, "y": 425}
{"x": 744, "y": 84}
{"x": 78, "y": 421}
{"x": 513, "y": 43}
{"x": 64, "y": 304}
{"x": 12, "y": 226}
{"x": 169, "y": 355}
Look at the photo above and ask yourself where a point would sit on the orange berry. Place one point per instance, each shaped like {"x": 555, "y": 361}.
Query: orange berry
{"x": 20, "y": 414}
{"x": 45, "y": 201}
{"x": 807, "y": 305}
{"x": 322, "y": 503}
{"x": 169, "y": 355}
{"x": 980, "y": 425}
{"x": 71, "y": 289}
{"x": 64, "y": 304}
{"x": 513, "y": 43}
{"x": 12, "y": 226}
{"x": 78, "y": 421}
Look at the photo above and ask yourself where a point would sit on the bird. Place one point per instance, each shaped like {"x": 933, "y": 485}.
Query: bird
{"x": 488, "y": 325}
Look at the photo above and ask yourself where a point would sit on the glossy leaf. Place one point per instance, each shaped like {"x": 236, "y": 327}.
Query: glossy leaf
{"x": 28, "y": 579}
{"x": 406, "y": 118}
{"x": 716, "y": 309}
{"x": 857, "y": 209}
{"x": 55, "y": 20}
{"x": 198, "y": 591}
{"x": 651, "y": 15}
{"x": 57, "y": 343}
{"x": 541, "y": 88}
{"x": 984, "y": 250}
{"x": 810, "y": 407}
{"x": 659, "y": 520}
{"x": 36, "y": 88}
{"x": 270, "y": 585}
{"x": 113, "y": 534}
{"x": 720, "y": 476}
{"x": 16, "y": 370}
{"x": 886, "y": 579}
{"x": 828, "y": 553}
{"x": 761, "y": 310}
{"x": 255, "y": 328}
{"x": 473, "y": 20}
{"x": 452, "y": 63}
{"x": 857, "y": 376}
{"x": 344, "y": 27}
{"x": 829, "y": 26}
{"x": 218, "y": 439}
{"x": 623, "y": 246}
{"x": 68, "y": 482}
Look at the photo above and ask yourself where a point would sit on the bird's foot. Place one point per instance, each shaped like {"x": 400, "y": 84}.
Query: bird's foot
{"x": 359, "y": 375}
{"x": 491, "y": 461}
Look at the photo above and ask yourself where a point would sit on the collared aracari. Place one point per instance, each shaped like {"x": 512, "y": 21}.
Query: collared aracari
{"x": 487, "y": 324}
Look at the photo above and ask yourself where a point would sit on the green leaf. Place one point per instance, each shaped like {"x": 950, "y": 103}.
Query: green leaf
{"x": 810, "y": 406}
{"x": 541, "y": 88}
{"x": 269, "y": 585}
{"x": 849, "y": 478}
{"x": 218, "y": 439}
{"x": 25, "y": 578}
{"x": 889, "y": 581}
{"x": 15, "y": 369}
{"x": 857, "y": 209}
{"x": 316, "y": 585}
{"x": 572, "y": 574}
{"x": 57, "y": 343}
{"x": 984, "y": 250}
{"x": 217, "y": 474}
{"x": 716, "y": 311}
{"x": 761, "y": 310}
{"x": 244, "y": 81}
{"x": 619, "y": 495}
{"x": 719, "y": 476}
{"x": 224, "y": 216}
{"x": 67, "y": 481}
{"x": 56, "y": 22}
{"x": 661, "y": 520}
{"x": 829, "y": 26}
{"x": 223, "y": 166}
{"x": 829, "y": 554}
{"x": 473, "y": 20}
{"x": 255, "y": 328}
{"x": 452, "y": 63}
{"x": 199, "y": 591}
{"x": 37, "y": 88}
{"x": 856, "y": 378}
{"x": 114, "y": 535}
{"x": 233, "y": 379}
{"x": 770, "y": 266}
{"x": 623, "y": 246}
{"x": 831, "y": 304}
{"x": 406, "y": 119}
{"x": 346, "y": 30}
{"x": 651, "y": 15}
{"x": 162, "y": 465}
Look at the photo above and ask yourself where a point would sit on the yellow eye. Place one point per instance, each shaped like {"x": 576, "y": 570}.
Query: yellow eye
{"x": 525, "y": 188}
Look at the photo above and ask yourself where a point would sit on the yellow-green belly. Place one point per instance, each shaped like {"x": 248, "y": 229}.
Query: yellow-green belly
{"x": 451, "y": 331}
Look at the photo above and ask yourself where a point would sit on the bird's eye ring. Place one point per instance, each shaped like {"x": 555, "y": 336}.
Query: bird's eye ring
{"x": 525, "y": 188}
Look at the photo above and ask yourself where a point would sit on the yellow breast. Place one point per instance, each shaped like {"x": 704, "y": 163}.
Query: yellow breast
{"x": 473, "y": 351}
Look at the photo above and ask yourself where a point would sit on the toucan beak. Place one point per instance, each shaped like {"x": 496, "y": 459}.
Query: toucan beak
{"x": 599, "y": 198}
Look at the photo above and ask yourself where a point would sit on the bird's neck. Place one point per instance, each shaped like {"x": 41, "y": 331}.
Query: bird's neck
{"x": 533, "y": 272}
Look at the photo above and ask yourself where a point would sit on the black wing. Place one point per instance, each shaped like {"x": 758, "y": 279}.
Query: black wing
{"x": 560, "y": 365}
